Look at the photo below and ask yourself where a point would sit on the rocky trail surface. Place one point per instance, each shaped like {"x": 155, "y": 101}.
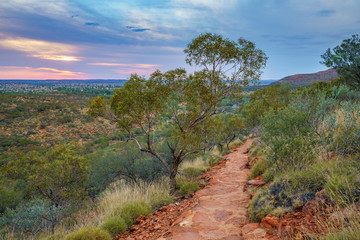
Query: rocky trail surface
{"x": 218, "y": 211}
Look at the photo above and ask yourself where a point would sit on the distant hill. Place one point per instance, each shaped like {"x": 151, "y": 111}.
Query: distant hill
{"x": 303, "y": 79}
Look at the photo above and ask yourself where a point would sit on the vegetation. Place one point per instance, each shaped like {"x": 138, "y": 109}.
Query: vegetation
{"x": 308, "y": 142}
{"x": 346, "y": 59}
{"x": 68, "y": 172}
{"x": 188, "y": 101}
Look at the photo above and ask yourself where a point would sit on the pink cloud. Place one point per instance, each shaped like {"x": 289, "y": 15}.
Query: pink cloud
{"x": 12, "y": 72}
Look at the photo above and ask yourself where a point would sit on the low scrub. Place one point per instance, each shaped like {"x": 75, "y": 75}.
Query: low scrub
{"x": 192, "y": 172}
{"x": 189, "y": 187}
{"x": 89, "y": 233}
{"x": 114, "y": 225}
{"x": 259, "y": 167}
{"x": 287, "y": 193}
{"x": 130, "y": 211}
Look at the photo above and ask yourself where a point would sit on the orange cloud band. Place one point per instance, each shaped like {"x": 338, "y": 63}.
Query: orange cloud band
{"x": 13, "y": 72}
{"x": 42, "y": 49}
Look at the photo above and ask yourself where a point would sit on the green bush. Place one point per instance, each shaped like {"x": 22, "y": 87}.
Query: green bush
{"x": 269, "y": 174}
{"x": 259, "y": 168}
{"x": 189, "y": 187}
{"x": 213, "y": 159}
{"x": 345, "y": 234}
{"x": 161, "y": 200}
{"x": 130, "y": 211}
{"x": 114, "y": 225}
{"x": 56, "y": 236}
{"x": 289, "y": 138}
{"x": 192, "y": 172}
{"x": 89, "y": 233}
{"x": 288, "y": 192}
{"x": 343, "y": 189}
{"x": 9, "y": 198}
{"x": 347, "y": 137}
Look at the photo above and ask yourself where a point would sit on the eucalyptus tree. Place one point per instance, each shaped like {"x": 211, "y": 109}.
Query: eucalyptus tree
{"x": 187, "y": 100}
{"x": 345, "y": 58}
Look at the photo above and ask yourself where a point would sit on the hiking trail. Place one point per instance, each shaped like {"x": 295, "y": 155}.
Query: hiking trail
{"x": 218, "y": 211}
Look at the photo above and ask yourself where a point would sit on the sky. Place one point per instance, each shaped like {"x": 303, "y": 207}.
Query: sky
{"x": 111, "y": 39}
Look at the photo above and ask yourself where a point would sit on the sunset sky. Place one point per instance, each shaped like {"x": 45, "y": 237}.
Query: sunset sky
{"x": 110, "y": 39}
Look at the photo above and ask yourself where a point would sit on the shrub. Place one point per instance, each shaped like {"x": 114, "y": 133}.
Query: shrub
{"x": 89, "y": 233}
{"x": 289, "y": 139}
{"x": 130, "y": 211}
{"x": 192, "y": 172}
{"x": 56, "y": 236}
{"x": 9, "y": 198}
{"x": 345, "y": 234}
{"x": 347, "y": 137}
{"x": 343, "y": 189}
{"x": 189, "y": 187}
{"x": 160, "y": 200}
{"x": 289, "y": 191}
{"x": 114, "y": 225}
{"x": 259, "y": 168}
{"x": 214, "y": 159}
{"x": 269, "y": 174}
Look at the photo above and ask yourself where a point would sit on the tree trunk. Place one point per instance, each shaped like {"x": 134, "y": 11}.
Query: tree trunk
{"x": 173, "y": 178}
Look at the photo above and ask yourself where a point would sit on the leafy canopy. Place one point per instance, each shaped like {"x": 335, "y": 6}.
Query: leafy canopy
{"x": 346, "y": 59}
{"x": 185, "y": 102}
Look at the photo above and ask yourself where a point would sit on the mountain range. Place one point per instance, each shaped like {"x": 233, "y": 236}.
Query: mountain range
{"x": 303, "y": 79}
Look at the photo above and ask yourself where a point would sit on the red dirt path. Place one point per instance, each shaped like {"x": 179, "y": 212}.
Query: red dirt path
{"x": 218, "y": 211}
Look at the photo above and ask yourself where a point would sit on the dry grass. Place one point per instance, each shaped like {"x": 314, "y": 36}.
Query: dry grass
{"x": 201, "y": 162}
{"x": 116, "y": 195}
{"x": 343, "y": 224}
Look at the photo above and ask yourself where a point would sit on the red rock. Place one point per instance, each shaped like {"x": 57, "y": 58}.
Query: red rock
{"x": 270, "y": 221}
{"x": 256, "y": 183}
{"x": 222, "y": 215}
{"x": 237, "y": 221}
{"x": 249, "y": 228}
{"x": 163, "y": 209}
{"x": 200, "y": 217}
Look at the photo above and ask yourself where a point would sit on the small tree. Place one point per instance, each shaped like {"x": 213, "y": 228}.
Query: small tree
{"x": 97, "y": 106}
{"x": 59, "y": 176}
{"x": 188, "y": 99}
{"x": 346, "y": 59}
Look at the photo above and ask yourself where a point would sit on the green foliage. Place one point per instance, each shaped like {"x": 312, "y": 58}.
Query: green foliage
{"x": 114, "y": 225}
{"x": 89, "y": 233}
{"x": 189, "y": 100}
{"x": 9, "y": 197}
{"x": 129, "y": 164}
{"x": 192, "y": 172}
{"x": 347, "y": 129}
{"x": 209, "y": 50}
{"x": 97, "y": 106}
{"x": 261, "y": 101}
{"x": 287, "y": 193}
{"x": 343, "y": 189}
{"x": 269, "y": 174}
{"x": 59, "y": 175}
{"x": 161, "y": 200}
{"x": 189, "y": 187}
{"x": 259, "y": 167}
{"x": 345, "y": 234}
{"x": 32, "y": 217}
{"x": 130, "y": 211}
{"x": 223, "y": 129}
{"x": 346, "y": 59}
{"x": 289, "y": 138}
{"x": 214, "y": 159}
